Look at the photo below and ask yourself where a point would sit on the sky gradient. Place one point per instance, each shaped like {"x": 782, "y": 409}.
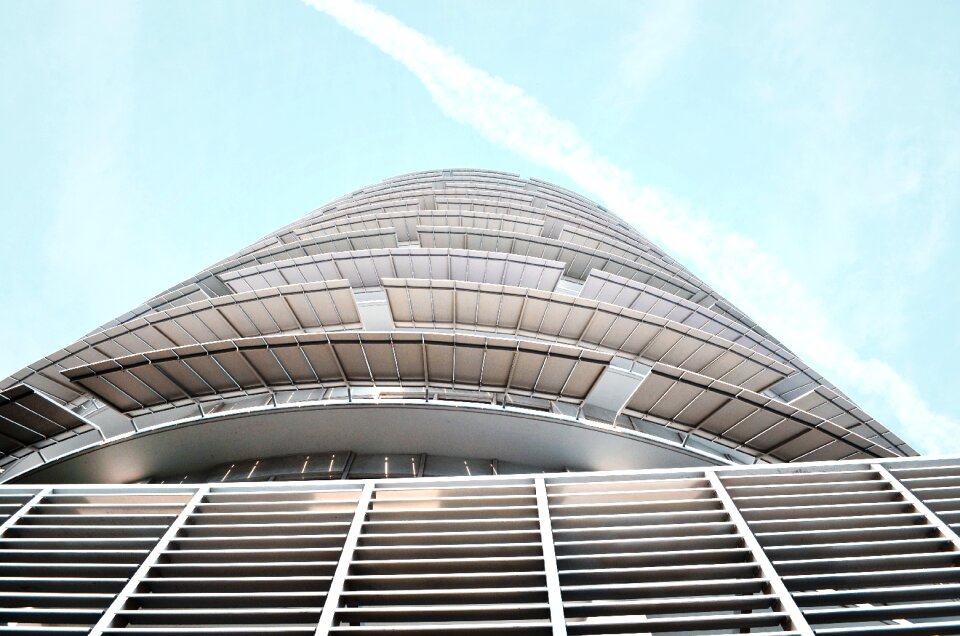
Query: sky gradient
{"x": 804, "y": 159}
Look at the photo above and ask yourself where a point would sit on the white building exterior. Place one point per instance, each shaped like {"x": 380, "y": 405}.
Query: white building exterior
{"x": 458, "y": 402}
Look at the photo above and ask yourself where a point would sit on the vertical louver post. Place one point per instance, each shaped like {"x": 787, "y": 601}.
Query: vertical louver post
{"x": 797, "y": 621}
{"x": 550, "y": 560}
{"x": 932, "y": 518}
{"x": 24, "y": 506}
{"x": 68, "y": 552}
{"x": 109, "y": 618}
{"x": 332, "y": 602}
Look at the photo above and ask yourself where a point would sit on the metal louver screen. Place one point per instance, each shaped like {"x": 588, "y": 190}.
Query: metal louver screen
{"x": 832, "y": 548}
{"x": 68, "y": 552}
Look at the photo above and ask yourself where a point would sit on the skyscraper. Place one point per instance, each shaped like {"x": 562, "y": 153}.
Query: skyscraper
{"x": 458, "y": 402}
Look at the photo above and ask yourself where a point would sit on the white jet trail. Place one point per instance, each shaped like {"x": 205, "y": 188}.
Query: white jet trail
{"x": 735, "y": 265}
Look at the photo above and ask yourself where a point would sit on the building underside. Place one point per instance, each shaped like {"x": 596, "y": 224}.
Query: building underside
{"x": 458, "y": 402}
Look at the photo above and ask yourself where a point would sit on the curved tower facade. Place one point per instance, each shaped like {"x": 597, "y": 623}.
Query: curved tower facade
{"x": 458, "y": 402}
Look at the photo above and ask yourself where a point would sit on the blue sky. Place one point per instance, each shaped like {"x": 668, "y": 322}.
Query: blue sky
{"x": 804, "y": 158}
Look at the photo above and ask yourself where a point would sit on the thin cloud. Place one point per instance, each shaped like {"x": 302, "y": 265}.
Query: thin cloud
{"x": 665, "y": 29}
{"x": 506, "y": 116}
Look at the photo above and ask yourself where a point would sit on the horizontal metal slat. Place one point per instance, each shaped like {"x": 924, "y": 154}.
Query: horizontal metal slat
{"x": 448, "y": 565}
{"x": 55, "y": 599}
{"x": 276, "y": 506}
{"x": 925, "y": 472}
{"x": 87, "y": 509}
{"x": 824, "y": 511}
{"x": 837, "y": 522}
{"x": 633, "y": 496}
{"x": 941, "y": 560}
{"x": 660, "y": 588}
{"x": 55, "y": 556}
{"x": 653, "y": 559}
{"x": 801, "y": 538}
{"x": 796, "y": 488}
{"x": 735, "y": 479}
{"x": 439, "y": 596}
{"x": 238, "y": 583}
{"x": 657, "y": 544}
{"x": 50, "y": 615}
{"x": 624, "y": 485}
{"x": 409, "y": 539}
{"x": 456, "y": 580}
{"x": 528, "y": 628}
{"x": 41, "y": 570}
{"x": 462, "y": 550}
{"x": 647, "y": 519}
{"x": 636, "y": 507}
{"x": 188, "y": 617}
{"x": 639, "y": 533}
{"x": 95, "y": 520}
{"x": 213, "y": 600}
{"x": 864, "y": 613}
{"x": 418, "y": 490}
{"x": 882, "y": 594}
{"x": 430, "y": 514}
{"x": 252, "y": 542}
{"x": 222, "y": 518}
{"x": 680, "y": 623}
{"x": 843, "y": 580}
{"x": 463, "y": 501}
{"x": 226, "y": 530}
{"x": 489, "y": 524}
{"x": 275, "y": 555}
{"x": 70, "y": 532}
{"x": 57, "y": 584}
{"x": 661, "y": 573}
{"x": 240, "y": 568}
{"x": 858, "y": 549}
{"x": 668, "y": 605}
{"x": 46, "y": 630}
{"x": 206, "y": 631}
{"x": 254, "y": 494}
{"x": 482, "y": 612}
{"x": 755, "y": 502}
{"x": 914, "y": 629}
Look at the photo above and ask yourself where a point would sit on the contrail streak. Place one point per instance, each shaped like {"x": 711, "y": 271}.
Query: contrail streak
{"x": 737, "y": 267}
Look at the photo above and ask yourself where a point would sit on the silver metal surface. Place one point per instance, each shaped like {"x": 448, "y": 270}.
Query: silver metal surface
{"x": 819, "y": 548}
{"x": 476, "y": 254}
{"x": 458, "y": 402}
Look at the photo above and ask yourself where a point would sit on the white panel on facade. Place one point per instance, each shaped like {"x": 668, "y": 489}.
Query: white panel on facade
{"x": 386, "y": 418}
